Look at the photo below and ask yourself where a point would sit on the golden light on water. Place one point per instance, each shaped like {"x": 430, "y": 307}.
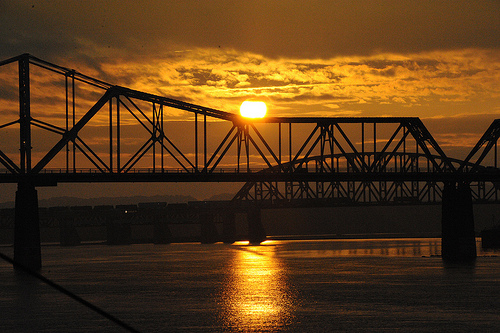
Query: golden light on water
{"x": 253, "y": 109}
{"x": 257, "y": 295}
{"x": 244, "y": 242}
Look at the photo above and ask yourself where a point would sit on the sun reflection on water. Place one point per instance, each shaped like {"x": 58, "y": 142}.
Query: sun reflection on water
{"x": 257, "y": 295}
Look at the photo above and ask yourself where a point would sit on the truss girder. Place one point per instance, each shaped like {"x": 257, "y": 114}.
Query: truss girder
{"x": 351, "y": 193}
{"x": 303, "y": 163}
{"x": 347, "y": 192}
{"x": 482, "y": 148}
{"x": 72, "y": 134}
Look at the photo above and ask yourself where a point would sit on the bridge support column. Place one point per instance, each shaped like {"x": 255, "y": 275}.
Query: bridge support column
{"x": 27, "y": 250}
{"x": 256, "y": 232}
{"x": 458, "y": 236}
{"x": 68, "y": 235}
{"x": 209, "y": 234}
{"x": 229, "y": 228}
{"x": 118, "y": 232}
{"x": 162, "y": 234}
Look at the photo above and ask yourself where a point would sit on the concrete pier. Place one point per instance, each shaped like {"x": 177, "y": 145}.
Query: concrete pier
{"x": 118, "y": 233}
{"x": 229, "y": 228}
{"x": 27, "y": 251}
{"x": 458, "y": 235}
{"x": 162, "y": 234}
{"x": 209, "y": 234}
{"x": 256, "y": 232}
{"x": 68, "y": 234}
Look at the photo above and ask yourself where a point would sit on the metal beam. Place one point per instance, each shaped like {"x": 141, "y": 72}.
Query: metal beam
{"x": 73, "y": 132}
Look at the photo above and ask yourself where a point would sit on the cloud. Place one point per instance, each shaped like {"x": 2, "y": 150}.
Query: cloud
{"x": 278, "y": 29}
{"x": 435, "y": 60}
{"x": 221, "y": 52}
{"x": 224, "y": 78}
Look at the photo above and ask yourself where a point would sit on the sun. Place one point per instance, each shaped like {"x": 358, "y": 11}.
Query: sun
{"x": 253, "y": 109}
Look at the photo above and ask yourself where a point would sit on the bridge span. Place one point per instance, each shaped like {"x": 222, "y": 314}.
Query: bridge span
{"x": 67, "y": 127}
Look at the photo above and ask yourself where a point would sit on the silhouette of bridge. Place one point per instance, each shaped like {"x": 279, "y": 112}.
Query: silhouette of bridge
{"x": 68, "y": 127}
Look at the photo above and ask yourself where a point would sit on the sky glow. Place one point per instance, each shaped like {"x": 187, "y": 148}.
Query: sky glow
{"x": 437, "y": 60}
{"x": 347, "y": 58}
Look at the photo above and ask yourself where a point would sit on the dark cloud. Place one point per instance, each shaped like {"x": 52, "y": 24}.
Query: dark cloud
{"x": 297, "y": 29}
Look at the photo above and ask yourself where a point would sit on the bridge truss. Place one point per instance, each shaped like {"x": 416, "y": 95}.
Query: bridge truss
{"x": 73, "y": 128}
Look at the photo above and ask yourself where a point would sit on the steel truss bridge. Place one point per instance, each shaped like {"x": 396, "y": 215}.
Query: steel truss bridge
{"x": 68, "y": 127}
{"x": 124, "y": 135}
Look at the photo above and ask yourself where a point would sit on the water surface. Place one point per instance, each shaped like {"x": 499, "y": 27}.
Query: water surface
{"x": 295, "y": 286}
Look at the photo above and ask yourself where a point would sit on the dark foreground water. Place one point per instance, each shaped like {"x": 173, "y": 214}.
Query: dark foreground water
{"x": 296, "y": 286}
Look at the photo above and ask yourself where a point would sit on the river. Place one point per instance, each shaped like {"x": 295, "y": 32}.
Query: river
{"x": 369, "y": 285}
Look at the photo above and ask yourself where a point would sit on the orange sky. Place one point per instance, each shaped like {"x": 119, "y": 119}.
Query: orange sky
{"x": 437, "y": 60}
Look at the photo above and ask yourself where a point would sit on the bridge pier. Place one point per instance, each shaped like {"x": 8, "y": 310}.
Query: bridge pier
{"x": 256, "y": 232}
{"x": 68, "y": 235}
{"x": 118, "y": 232}
{"x": 209, "y": 234}
{"x": 229, "y": 228}
{"x": 458, "y": 241}
{"x": 162, "y": 234}
{"x": 27, "y": 250}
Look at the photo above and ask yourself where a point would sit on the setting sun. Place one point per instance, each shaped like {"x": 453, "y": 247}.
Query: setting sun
{"x": 253, "y": 109}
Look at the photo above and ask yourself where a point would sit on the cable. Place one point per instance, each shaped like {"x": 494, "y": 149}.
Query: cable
{"x": 68, "y": 293}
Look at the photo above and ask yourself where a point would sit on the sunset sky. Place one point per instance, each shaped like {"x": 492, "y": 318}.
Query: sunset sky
{"x": 437, "y": 60}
